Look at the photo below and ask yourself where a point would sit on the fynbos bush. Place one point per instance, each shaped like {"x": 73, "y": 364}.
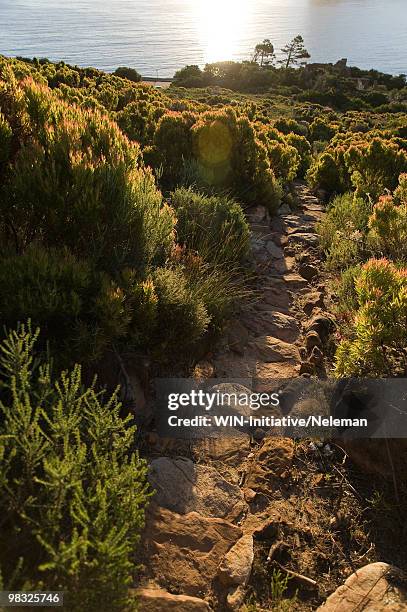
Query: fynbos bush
{"x": 76, "y": 181}
{"x": 72, "y": 489}
{"x": 213, "y": 226}
{"x": 379, "y": 338}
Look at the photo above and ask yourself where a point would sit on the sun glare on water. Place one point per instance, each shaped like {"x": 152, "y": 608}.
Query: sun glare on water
{"x": 222, "y": 24}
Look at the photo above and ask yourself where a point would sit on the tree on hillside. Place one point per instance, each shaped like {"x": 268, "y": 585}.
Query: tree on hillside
{"x": 294, "y": 53}
{"x": 189, "y": 76}
{"x": 264, "y": 51}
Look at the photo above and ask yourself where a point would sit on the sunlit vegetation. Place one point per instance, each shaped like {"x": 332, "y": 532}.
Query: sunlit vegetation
{"x": 122, "y": 205}
{"x": 90, "y": 249}
{"x": 72, "y": 488}
{"x": 366, "y": 243}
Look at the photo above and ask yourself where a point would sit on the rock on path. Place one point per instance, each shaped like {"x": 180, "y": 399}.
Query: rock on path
{"x": 377, "y": 587}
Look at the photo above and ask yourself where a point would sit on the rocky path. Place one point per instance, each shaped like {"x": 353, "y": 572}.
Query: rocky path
{"x": 228, "y": 509}
{"x": 268, "y": 338}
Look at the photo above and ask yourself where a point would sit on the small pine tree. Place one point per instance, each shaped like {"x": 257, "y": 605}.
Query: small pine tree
{"x": 264, "y": 52}
{"x": 294, "y": 53}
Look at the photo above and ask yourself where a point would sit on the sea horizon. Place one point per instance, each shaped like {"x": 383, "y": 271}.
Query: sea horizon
{"x": 157, "y": 38}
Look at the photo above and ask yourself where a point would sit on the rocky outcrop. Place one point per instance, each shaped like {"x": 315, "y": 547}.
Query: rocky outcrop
{"x": 273, "y": 460}
{"x": 184, "y": 551}
{"x": 377, "y": 587}
{"x": 183, "y": 486}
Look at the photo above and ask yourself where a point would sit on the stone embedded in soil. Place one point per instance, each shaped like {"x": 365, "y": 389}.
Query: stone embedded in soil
{"x": 183, "y": 486}
{"x": 278, "y": 297}
{"x": 270, "y": 350}
{"x": 230, "y": 365}
{"x": 284, "y": 209}
{"x": 294, "y": 281}
{"x": 280, "y": 240}
{"x": 307, "y": 368}
{"x": 257, "y": 244}
{"x": 283, "y": 326}
{"x": 277, "y": 225}
{"x": 304, "y": 238}
{"x": 224, "y": 450}
{"x": 234, "y": 388}
{"x": 236, "y": 566}
{"x": 183, "y": 552}
{"x": 269, "y": 371}
{"x": 308, "y": 271}
{"x": 312, "y": 339}
{"x": 276, "y": 324}
{"x": 159, "y": 600}
{"x": 275, "y": 251}
{"x": 373, "y": 588}
{"x": 313, "y": 206}
{"x": 283, "y": 266}
{"x": 295, "y": 229}
{"x": 322, "y": 324}
{"x": 235, "y": 598}
{"x": 313, "y": 300}
{"x": 258, "y": 214}
{"x": 273, "y": 460}
{"x": 317, "y": 356}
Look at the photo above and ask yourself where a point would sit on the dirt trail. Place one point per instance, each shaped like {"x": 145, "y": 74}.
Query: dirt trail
{"x": 266, "y": 340}
{"x": 228, "y": 512}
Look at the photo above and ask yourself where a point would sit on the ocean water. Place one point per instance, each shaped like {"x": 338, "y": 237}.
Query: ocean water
{"x": 158, "y": 37}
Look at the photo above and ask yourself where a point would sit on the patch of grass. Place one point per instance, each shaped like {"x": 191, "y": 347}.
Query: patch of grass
{"x": 278, "y": 590}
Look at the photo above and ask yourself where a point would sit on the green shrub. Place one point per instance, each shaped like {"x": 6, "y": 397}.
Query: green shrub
{"x": 72, "y": 489}
{"x": 80, "y": 311}
{"x": 343, "y": 230}
{"x": 189, "y": 76}
{"x": 320, "y": 129}
{"x": 138, "y": 120}
{"x": 77, "y": 182}
{"x": 284, "y": 160}
{"x": 376, "y": 167}
{"x": 303, "y": 147}
{"x": 365, "y": 162}
{"x": 345, "y": 291}
{"x": 172, "y": 145}
{"x": 128, "y": 73}
{"x": 379, "y": 336}
{"x": 231, "y": 157}
{"x": 64, "y": 75}
{"x": 5, "y": 140}
{"x": 290, "y": 126}
{"x": 326, "y": 173}
{"x": 388, "y": 228}
{"x": 182, "y": 318}
{"x": 219, "y": 288}
{"x": 400, "y": 193}
{"x": 214, "y": 226}
{"x": 142, "y": 302}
